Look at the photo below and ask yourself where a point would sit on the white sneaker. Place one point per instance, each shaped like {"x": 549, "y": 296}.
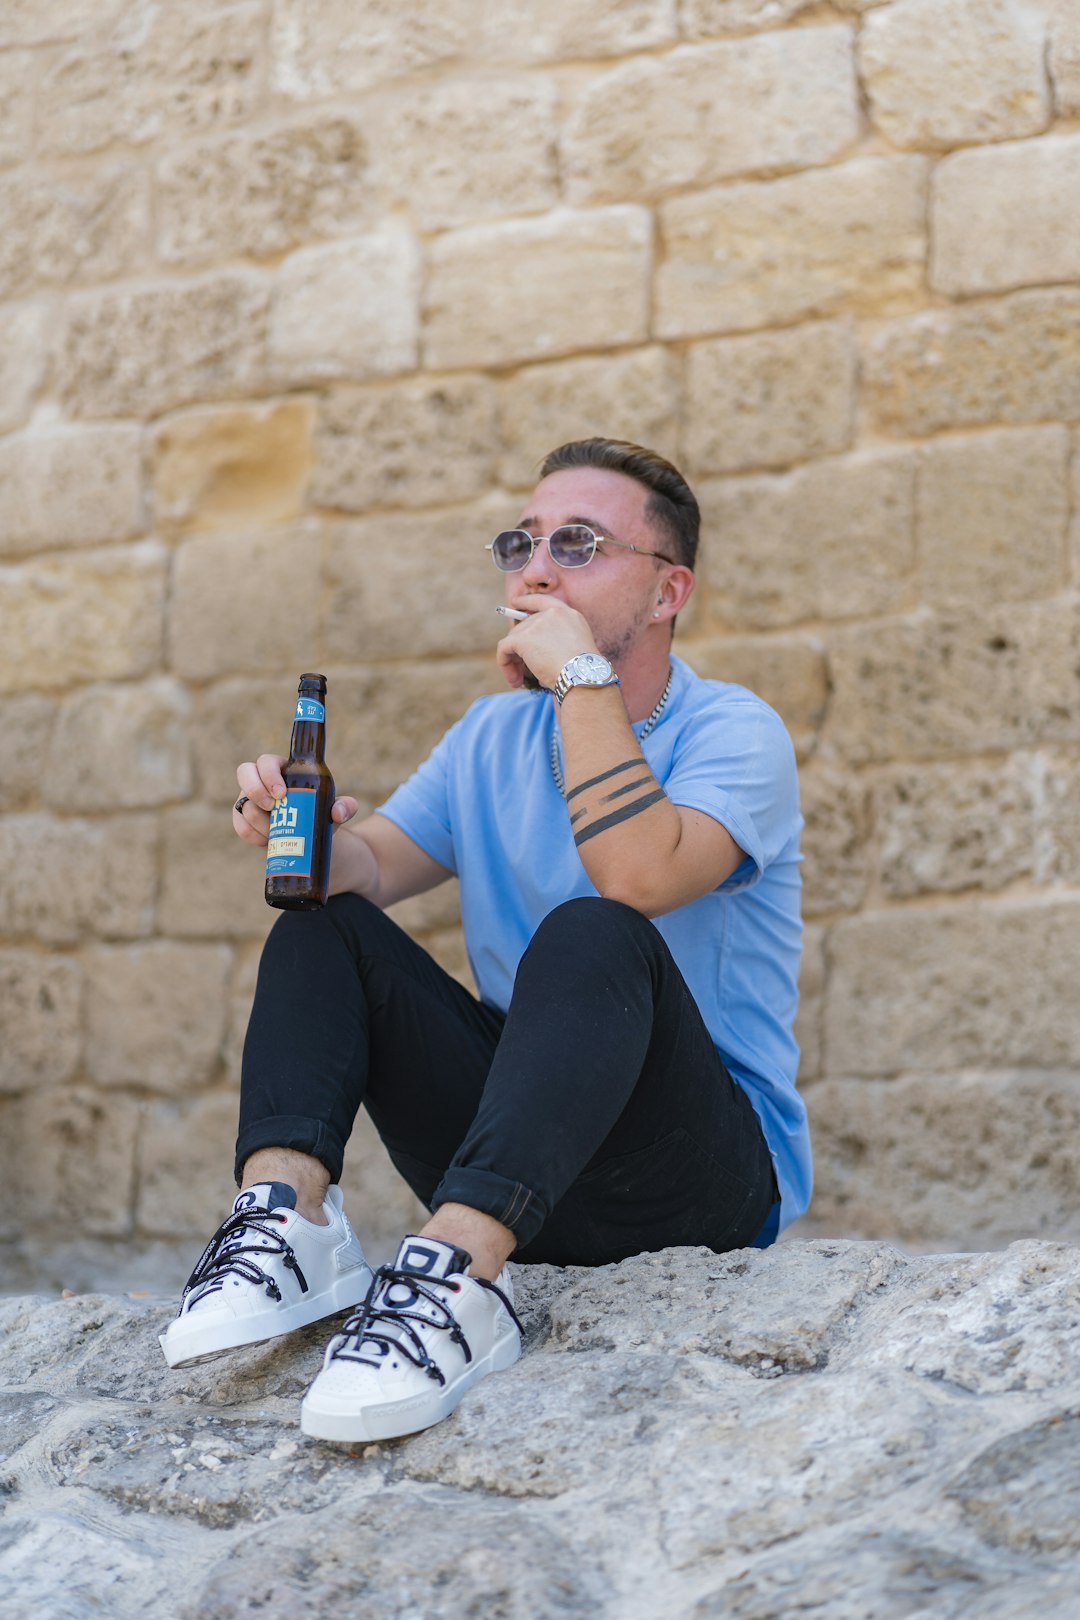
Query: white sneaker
{"x": 425, "y": 1335}
{"x": 265, "y": 1271}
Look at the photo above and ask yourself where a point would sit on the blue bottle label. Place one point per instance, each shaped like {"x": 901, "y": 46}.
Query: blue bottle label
{"x": 309, "y": 708}
{"x": 292, "y": 825}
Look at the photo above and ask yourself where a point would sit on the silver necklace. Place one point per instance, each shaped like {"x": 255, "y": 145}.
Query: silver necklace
{"x": 556, "y": 768}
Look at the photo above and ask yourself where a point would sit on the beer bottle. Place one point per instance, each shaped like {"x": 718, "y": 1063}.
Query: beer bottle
{"x": 298, "y": 851}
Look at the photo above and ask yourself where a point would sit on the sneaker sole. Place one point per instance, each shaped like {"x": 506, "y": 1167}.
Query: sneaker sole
{"x": 392, "y": 1419}
{"x": 210, "y": 1338}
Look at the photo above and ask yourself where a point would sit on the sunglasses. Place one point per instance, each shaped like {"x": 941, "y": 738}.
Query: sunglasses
{"x": 572, "y": 545}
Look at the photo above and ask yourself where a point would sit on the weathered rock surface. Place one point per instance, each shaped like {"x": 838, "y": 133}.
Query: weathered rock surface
{"x": 828, "y": 1428}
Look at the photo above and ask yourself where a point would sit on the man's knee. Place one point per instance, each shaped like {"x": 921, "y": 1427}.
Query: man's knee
{"x": 592, "y": 918}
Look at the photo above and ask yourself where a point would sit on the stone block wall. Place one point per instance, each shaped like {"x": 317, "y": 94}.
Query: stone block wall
{"x": 293, "y": 296}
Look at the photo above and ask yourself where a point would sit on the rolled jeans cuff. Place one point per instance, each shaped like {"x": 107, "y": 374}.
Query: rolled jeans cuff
{"x": 509, "y": 1202}
{"x": 296, "y": 1131}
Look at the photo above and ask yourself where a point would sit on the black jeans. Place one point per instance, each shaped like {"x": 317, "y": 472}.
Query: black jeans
{"x": 595, "y": 1119}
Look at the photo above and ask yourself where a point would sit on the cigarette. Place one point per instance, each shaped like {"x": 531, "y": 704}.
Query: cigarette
{"x": 511, "y": 613}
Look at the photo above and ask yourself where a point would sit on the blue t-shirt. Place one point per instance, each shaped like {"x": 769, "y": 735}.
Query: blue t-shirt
{"x": 485, "y": 805}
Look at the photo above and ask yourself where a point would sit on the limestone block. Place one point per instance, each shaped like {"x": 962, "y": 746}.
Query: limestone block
{"x": 16, "y": 106}
{"x": 246, "y": 602}
{"x": 120, "y": 747}
{"x": 835, "y": 841}
{"x": 39, "y": 1003}
{"x": 24, "y": 339}
{"x": 770, "y": 398}
{"x": 380, "y": 1205}
{"x": 414, "y": 585}
{"x": 160, "y": 71}
{"x": 991, "y": 516}
{"x": 29, "y": 720}
{"x": 704, "y": 113}
{"x": 471, "y": 148}
{"x": 212, "y": 888}
{"x": 237, "y": 720}
{"x": 556, "y": 30}
{"x": 349, "y": 309}
{"x": 743, "y": 256}
{"x": 241, "y": 995}
{"x": 263, "y": 194}
{"x": 182, "y": 343}
{"x": 63, "y": 878}
{"x": 387, "y": 721}
{"x": 80, "y": 1175}
{"x": 38, "y": 22}
{"x": 351, "y": 45}
{"x": 70, "y": 486}
{"x": 420, "y": 443}
{"x": 835, "y": 539}
{"x": 632, "y": 395}
{"x": 186, "y": 1165}
{"x": 155, "y": 1014}
{"x": 1006, "y": 360}
{"x": 953, "y": 987}
{"x": 958, "y": 684}
{"x": 812, "y": 975}
{"x": 535, "y": 289}
{"x": 959, "y": 1161}
{"x": 939, "y": 76}
{"x": 1057, "y": 818}
{"x": 1063, "y": 24}
{"x": 704, "y": 19}
{"x": 75, "y": 230}
{"x": 954, "y": 826}
{"x": 789, "y": 672}
{"x": 997, "y": 219}
{"x": 224, "y": 467}
{"x": 94, "y": 616}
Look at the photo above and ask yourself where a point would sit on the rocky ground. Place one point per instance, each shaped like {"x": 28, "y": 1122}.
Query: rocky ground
{"x": 827, "y": 1429}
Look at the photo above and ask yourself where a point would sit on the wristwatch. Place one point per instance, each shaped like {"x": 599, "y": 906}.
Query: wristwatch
{"x": 587, "y": 669}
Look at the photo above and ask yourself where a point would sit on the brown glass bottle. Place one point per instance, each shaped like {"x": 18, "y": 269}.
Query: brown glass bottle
{"x": 298, "y": 853}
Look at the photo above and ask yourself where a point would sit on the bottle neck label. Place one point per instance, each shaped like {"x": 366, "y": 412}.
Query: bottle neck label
{"x": 309, "y": 708}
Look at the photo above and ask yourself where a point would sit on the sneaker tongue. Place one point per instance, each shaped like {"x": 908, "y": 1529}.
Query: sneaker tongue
{"x": 266, "y": 1195}
{"x": 432, "y": 1257}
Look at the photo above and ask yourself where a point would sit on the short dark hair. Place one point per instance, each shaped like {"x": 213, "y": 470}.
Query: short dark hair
{"x": 672, "y": 505}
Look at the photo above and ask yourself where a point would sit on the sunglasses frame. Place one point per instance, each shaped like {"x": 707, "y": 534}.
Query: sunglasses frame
{"x": 539, "y": 539}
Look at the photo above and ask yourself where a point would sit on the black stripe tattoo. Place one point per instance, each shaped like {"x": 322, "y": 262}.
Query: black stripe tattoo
{"x": 577, "y": 815}
{"x": 627, "y": 765}
{"x": 616, "y": 816}
{"x": 642, "y": 781}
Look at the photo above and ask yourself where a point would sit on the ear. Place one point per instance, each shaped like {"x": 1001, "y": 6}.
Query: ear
{"x": 673, "y": 592}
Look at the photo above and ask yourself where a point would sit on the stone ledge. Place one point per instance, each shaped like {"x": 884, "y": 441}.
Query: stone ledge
{"x": 907, "y": 1426}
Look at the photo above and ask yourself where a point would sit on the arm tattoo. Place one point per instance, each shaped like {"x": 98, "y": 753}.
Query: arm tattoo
{"x": 582, "y": 787}
{"x": 591, "y": 814}
{"x": 634, "y": 808}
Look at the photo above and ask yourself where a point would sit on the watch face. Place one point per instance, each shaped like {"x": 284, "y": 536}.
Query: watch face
{"x": 591, "y": 668}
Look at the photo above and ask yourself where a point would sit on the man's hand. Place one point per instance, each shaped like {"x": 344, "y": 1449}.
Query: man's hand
{"x": 261, "y": 784}
{"x": 545, "y": 641}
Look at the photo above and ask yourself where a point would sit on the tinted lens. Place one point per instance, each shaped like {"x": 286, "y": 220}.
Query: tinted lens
{"x": 511, "y": 549}
{"x": 572, "y": 546}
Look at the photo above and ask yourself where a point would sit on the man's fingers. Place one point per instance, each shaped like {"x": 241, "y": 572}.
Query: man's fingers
{"x": 261, "y": 780}
{"x": 250, "y": 823}
{"x": 343, "y": 810}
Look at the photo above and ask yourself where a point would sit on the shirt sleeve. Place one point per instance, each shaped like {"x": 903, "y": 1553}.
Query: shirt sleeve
{"x": 737, "y": 764}
{"x": 421, "y": 805}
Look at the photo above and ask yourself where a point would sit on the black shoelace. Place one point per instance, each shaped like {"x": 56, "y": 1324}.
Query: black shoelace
{"x": 227, "y": 1253}
{"x": 408, "y": 1343}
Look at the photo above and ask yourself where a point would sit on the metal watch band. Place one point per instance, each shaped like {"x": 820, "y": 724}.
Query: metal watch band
{"x": 566, "y": 680}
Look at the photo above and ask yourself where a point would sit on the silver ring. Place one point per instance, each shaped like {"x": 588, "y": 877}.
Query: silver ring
{"x": 240, "y": 803}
